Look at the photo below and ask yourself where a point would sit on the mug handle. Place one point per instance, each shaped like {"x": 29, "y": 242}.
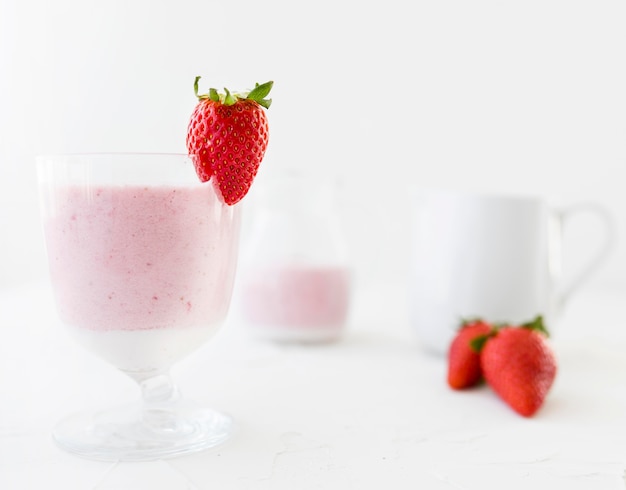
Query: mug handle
{"x": 564, "y": 216}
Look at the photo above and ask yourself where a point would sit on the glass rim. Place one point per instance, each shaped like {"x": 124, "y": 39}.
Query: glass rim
{"x": 112, "y": 154}
{"x": 118, "y": 168}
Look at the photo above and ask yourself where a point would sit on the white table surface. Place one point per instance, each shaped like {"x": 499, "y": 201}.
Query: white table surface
{"x": 371, "y": 411}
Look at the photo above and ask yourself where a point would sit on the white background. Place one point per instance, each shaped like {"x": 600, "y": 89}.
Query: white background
{"x": 515, "y": 96}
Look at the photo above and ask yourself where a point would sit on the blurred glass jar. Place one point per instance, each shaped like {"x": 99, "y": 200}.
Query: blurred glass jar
{"x": 294, "y": 280}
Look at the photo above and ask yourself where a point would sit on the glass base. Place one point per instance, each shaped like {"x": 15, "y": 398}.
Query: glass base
{"x": 135, "y": 433}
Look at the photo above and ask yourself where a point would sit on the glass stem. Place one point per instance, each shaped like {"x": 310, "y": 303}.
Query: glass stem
{"x": 159, "y": 389}
{"x": 159, "y": 400}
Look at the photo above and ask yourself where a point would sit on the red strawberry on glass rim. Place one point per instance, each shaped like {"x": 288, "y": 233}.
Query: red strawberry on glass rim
{"x": 227, "y": 137}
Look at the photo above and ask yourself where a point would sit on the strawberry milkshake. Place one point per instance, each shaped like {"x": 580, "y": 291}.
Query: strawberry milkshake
{"x": 295, "y": 282}
{"x": 142, "y": 251}
{"x": 303, "y": 303}
{"x": 142, "y": 274}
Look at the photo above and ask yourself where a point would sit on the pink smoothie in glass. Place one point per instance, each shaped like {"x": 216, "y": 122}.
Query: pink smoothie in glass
{"x": 297, "y": 302}
{"x": 140, "y": 266}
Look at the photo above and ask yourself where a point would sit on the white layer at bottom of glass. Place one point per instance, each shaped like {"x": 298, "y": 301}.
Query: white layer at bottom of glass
{"x": 136, "y": 351}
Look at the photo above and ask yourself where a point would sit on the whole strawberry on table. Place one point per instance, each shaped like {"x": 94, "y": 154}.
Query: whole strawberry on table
{"x": 516, "y": 361}
{"x": 227, "y": 137}
{"x": 464, "y": 369}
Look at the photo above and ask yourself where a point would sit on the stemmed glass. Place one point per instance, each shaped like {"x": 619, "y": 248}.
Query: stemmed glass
{"x": 142, "y": 259}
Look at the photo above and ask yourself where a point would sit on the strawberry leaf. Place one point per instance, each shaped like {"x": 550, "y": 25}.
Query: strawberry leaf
{"x": 229, "y": 99}
{"x": 259, "y": 92}
{"x": 537, "y": 325}
{"x": 213, "y": 95}
{"x": 468, "y": 321}
{"x": 477, "y": 343}
{"x": 195, "y": 86}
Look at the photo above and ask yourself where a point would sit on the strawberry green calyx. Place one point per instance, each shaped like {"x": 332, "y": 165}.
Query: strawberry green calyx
{"x": 469, "y": 321}
{"x": 477, "y": 343}
{"x": 537, "y": 325}
{"x": 258, "y": 94}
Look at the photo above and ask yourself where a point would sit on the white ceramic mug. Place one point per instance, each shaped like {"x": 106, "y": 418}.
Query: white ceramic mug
{"x": 489, "y": 256}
